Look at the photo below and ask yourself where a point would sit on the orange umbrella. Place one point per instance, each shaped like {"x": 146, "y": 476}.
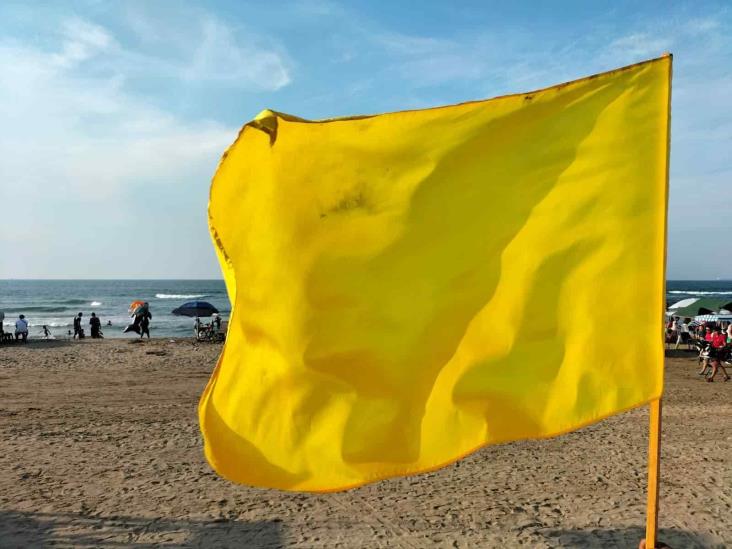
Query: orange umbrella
{"x": 134, "y": 306}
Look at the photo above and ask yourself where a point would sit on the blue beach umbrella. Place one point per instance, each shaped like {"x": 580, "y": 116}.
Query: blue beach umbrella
{"x": 195, "y": 308}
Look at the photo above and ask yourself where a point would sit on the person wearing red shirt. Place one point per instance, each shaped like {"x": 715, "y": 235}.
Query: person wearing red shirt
{"x": 719, "y": 340}
{"x": 718, "y": 353}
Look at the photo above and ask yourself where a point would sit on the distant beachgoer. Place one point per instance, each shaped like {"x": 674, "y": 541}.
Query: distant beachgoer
{"x": 719, "y": 340}
{"x": 729, "y": 332}
{"x": 682, "y": 329}
{"x": 96, "y": 326}
{"x": 21, "y": 328}
{"x": 46, "y": 332}
{"x": 109, "y": 322}
{"x": 78, "y": 330}
{"x": 718, "y": 353}
{"x": 145, "y": 324}
{"x": 217, "y": 321}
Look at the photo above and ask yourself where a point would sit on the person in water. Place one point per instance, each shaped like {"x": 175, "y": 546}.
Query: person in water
{"x": 46, "y": 332}
{"x": 96, "y": 326}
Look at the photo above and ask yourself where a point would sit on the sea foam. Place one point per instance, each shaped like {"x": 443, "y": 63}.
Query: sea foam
{"x": 179, "y": 296}
{"x": 698, "y": 292}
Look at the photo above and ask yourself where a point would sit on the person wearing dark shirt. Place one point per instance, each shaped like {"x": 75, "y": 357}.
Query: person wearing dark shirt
{"x": 145, "y": 324}
{"x": 78, "y": 332}
{"x": 96, "y": 326}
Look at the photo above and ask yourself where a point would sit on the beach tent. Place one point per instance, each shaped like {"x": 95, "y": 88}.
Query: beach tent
{"x": 695, "y": 306}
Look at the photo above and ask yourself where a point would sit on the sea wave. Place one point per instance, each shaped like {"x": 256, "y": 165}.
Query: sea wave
{"x": 60, "y": 324}
{"x": 699, "y": 292}
{"x": 95, "y": 304}
{"x": 35, "y": 309}
{"x": 179, "y": 296}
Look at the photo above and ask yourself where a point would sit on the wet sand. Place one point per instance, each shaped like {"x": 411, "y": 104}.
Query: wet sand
{"x": 99, "y": 447}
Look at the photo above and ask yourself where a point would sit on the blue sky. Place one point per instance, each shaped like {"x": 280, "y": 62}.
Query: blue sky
{"x": 113, "y": 115}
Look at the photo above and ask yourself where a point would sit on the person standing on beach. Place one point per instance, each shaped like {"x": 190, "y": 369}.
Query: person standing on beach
{"x": 682, "y": 330}
{"x": 145, "y": 324}
{"x": 719, "y": 352}
{"x": 21, "y": 328}
{"x": 78, "y": 332}
{"x": 96, "y": 326}
{"x": 46, "y": 332}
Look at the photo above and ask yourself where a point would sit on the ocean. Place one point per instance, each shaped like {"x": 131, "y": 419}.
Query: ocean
{"x": 56, "y": 302}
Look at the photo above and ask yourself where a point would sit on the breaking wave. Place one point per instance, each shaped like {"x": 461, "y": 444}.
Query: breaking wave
{"x": 36, "y": 309}
{"x": 179, "y": 296}
{"x": 95, "y": 304}
{"x": 698, "y": 292}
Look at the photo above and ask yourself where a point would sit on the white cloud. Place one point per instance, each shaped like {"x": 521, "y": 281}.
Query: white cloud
{"x": 86, "y": 135}
{"x": 81, "y": 154}
{"x": 83, "y": 40}
{"x": 86, "y": 148}
{"x": 639, "y": 45}
{"x": 219, "y": 58}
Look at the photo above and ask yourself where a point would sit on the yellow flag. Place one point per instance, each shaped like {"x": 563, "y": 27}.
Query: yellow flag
{"x": 409, "y": 287}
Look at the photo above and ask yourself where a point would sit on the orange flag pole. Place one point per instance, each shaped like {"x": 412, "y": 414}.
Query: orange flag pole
{"x": 654, "y": 466}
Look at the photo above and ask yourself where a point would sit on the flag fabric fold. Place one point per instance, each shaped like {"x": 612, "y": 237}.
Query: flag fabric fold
{"x": 409, "y": 287}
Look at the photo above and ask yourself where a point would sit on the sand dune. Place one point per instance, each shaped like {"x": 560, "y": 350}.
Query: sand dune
{"x": 99, "y": 446}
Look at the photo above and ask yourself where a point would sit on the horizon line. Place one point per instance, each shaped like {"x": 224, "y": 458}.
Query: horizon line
{"x": 222, "y": 279}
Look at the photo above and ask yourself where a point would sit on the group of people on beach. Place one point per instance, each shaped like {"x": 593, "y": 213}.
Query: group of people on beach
{"x": 95, "y": 324}
{"x": 682, "y": 330}
{"x": 713, "y": 339}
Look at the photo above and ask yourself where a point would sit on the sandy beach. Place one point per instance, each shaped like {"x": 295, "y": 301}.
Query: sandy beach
{"x": 100, "y": 447}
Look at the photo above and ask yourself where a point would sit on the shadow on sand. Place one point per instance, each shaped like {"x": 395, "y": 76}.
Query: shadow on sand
{"x": 38, "y": 344}
{"x": 628, "y": 538}
{"x": 24, "y": 529}
{"x": 681, "y": 352}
